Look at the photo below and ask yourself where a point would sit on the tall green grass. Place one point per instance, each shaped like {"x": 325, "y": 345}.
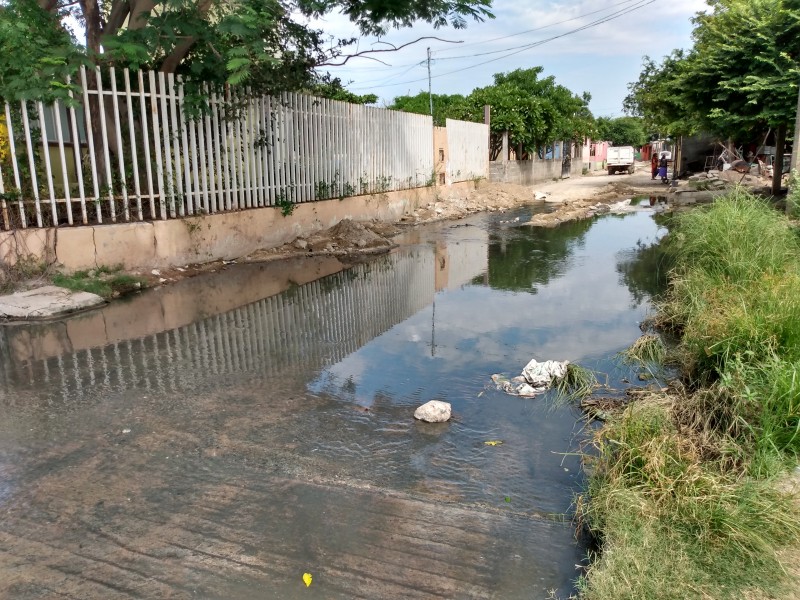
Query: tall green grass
{"x": 682, "y": 487}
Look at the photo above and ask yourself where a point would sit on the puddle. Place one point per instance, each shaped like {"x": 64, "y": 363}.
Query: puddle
{"x": 222, "y": 436}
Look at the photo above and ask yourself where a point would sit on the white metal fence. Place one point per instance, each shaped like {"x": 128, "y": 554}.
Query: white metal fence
{"x": 126, "y": 149}
{"x": 468, "y": 145}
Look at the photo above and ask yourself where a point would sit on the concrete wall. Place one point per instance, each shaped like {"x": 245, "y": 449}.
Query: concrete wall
{"x": 529, "y": 172}
{"x": 207, "y": 238}
{"x": 441, "y": 152}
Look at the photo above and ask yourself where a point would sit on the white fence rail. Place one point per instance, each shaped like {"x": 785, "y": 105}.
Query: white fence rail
{"x": 126, "y": 149}
{"x": 468, "y": 145}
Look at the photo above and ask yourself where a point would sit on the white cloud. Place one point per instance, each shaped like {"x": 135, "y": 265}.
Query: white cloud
{"x": 601, "y": 59}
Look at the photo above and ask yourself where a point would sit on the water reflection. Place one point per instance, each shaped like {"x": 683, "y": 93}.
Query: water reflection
{"x": 521, "y": 260}
{"x": 219, "y": 437}
{"x": 299, "y": 330}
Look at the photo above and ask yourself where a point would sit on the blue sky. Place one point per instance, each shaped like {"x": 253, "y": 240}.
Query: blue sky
{"x": 601, "y": 59}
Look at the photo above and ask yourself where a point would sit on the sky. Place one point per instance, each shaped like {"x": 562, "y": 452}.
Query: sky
{"x": 600, "y": 59}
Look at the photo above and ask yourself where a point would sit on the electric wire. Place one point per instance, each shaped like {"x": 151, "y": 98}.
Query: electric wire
{"x": 518, "y": 49}
{"x": 380, "y": 81}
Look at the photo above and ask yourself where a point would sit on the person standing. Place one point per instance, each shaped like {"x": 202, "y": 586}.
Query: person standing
{"x": 654, "y": 165}
{"x": 662, "y": 168}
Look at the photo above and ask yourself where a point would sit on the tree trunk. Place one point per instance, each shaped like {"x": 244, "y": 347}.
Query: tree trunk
{"x": 777, "y": 166}
{"x": 795, "y": 166}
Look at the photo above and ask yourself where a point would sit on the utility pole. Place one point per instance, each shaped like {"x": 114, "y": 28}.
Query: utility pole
{"x": 430, "y": 95}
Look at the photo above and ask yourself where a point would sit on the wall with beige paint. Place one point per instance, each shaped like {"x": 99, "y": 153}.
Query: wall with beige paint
{"x": 199, "y": 239}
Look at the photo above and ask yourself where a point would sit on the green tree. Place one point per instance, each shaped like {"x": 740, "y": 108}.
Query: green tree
{"x": 333, "y": 88}
{"x": 623, "y": 131}
{"x": 535, "y": 112}
{"x": 444, "y": 106}
{"x": 260, "y": 42}
{"x": 740, "y": 77}
{"x": 656, "y": 97}
{"x": 36, "y": 53}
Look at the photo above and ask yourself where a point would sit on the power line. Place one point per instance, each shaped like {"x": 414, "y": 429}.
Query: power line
{"x": 639, "y": 4}
{"x": 510, "y": 35}
{"x": 518, "y": 49}
{"x": 478, "y": 43}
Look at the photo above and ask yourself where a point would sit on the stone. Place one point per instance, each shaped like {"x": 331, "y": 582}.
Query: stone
{"x": 300, "y": 244}
{"x": 434, "y": 411}
{"x": 45, "y": 302}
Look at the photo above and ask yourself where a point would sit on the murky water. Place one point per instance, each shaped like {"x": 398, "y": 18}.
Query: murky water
{"x": 219, "y": 438}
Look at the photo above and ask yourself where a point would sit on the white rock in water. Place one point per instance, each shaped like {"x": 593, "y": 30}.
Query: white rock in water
{"x": 434, "y": 411}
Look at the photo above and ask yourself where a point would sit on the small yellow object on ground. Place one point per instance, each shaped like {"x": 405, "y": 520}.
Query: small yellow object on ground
{"x": 493, "y": 442}
{"x": 307, "y": 579}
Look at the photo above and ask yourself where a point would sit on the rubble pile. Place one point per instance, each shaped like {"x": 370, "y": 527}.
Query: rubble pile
{"x": 710, "y": 180}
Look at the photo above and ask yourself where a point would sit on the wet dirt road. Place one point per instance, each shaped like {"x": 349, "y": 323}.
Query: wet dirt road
{"x": 222, "y": 437}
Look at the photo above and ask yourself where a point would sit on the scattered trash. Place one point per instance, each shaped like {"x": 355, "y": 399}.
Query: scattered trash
{"x": 540, "y": 195}
{"x": 493, "y": 442}
{"x": 228, "y": 262}
{"x": 434, "y": 411}
{"x": 307, "y": 578}
{"x": 507, "y": 498}
{"x": 536, "y": 378}
{"x": 621, "y": 207}
{"x": 126, "y": 430}
{"x": 156, "y": 272}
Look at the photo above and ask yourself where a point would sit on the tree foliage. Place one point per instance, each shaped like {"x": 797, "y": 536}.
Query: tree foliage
{"x": 535, "y": 112}
{"x": 36, "y": 53}
{"x": 740, "y": 76}
{"x": 264, "y": 44}
{"x": 623, "y": 131}
{"x": 445, "y": 106}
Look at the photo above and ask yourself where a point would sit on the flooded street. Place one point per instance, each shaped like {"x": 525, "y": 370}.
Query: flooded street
{"x": 220, "y": 437}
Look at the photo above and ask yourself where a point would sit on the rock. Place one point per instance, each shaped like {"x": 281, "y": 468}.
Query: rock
{"x": 300, "y": 244}
{"x": 740, "y": 166}
{"x": 46, "y": 302}
{"x": 434, "y": 411}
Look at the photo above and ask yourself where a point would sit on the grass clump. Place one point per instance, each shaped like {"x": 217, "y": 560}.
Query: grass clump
{"x": 106, "y": 282}
{"x": 682, "y": 491}
{"x": 578, "y": 382}
{"x": 673, "y": 525}
{"x": 647, "y": 349}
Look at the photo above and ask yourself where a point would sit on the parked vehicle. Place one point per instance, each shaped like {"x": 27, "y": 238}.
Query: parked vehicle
{"x": 620, "y": 158}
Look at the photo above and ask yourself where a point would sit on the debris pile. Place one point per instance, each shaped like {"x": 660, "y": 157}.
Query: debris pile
{"x": 346, "y": 237}
{"x": 536, "y": 378}
{"x": 707, "y": 181}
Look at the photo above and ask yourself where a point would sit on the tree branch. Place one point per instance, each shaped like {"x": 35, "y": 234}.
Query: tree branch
{"x": 393, "y": 48}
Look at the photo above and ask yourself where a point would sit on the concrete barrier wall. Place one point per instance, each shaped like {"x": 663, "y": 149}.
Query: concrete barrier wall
{"x": 199, "y": 239}
{"x": 529, "y": 172}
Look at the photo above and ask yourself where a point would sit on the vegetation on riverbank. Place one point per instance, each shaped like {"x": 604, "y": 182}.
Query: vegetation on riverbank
{"x": 682, "y": 489}
{"x": 106, "y": 282}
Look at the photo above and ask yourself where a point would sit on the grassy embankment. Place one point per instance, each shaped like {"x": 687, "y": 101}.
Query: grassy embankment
{"x": 683, "y": 489}
{"x": 107, "y": 282}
